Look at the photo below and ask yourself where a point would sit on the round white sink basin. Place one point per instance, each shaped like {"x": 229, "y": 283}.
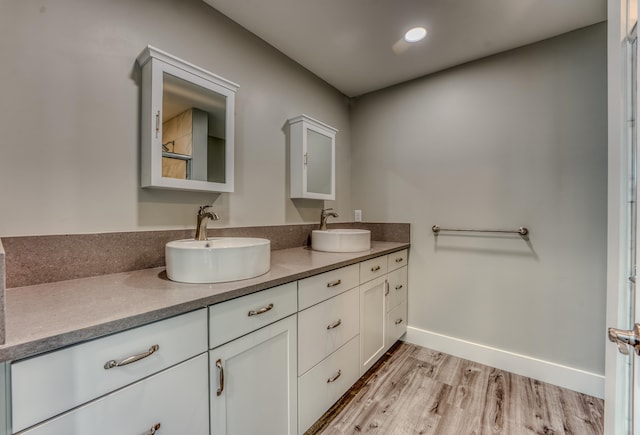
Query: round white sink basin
{"x": 341, "y": 240}
{"x": 218, "y": 259}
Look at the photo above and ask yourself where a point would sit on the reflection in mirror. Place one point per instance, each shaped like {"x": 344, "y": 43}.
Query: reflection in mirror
{"x": 193, "y": 131}
{"x": 320, "y": 153}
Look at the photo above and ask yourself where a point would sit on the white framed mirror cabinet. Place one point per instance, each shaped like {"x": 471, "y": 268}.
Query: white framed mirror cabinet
{"x": 312, "y": 152}
{"x": 187, "y": 129}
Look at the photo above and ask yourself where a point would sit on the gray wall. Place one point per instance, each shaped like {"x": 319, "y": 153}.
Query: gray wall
{"x": 514, "y": 139}
{"x": 69, "y": 116}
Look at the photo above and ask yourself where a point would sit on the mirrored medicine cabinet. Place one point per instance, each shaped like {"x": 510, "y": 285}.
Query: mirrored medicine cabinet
{"x": 187, "y": 126}
{"x": 312, "y": 146}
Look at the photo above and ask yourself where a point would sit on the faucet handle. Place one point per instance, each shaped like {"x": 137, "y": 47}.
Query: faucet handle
{"x": 203, "y": 209}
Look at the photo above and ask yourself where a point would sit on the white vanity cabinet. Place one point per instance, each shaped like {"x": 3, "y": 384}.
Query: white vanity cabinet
{"x": 47, "y": 385}
{"x": 271, "y": 362}
{"x": 253, "y": 377}
{"x": 313, "y": 149}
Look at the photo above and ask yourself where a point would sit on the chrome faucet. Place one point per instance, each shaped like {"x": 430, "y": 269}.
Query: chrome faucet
{"x": 203, "y": 218}
{"x": 324, "y": 215}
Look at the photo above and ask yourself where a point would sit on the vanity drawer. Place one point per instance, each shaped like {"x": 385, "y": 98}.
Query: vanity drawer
{"x": 325, "y": 327}
{"x": 397, "y": 287}
{"x": 47, "y": 385}
{"x": 176, "y": 399}
{"x": 237, "y": 317}
{"x": 373, "y": 268}
{"x": 397, "y": 259}
{"x": 396, "y": 323}
{"x": 321, "y": 386}
{"x": 321, "y": 287}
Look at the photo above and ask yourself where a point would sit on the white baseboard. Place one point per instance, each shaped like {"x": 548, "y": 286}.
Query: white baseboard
{"x": 545, "y": 371}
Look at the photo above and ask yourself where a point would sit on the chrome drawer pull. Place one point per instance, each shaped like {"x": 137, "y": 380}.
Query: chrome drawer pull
{"x": 260, "y": 311}
{"x": 334, "y": 283}
{"x": 375, "y": 268}
{"x": 335, "y": 324}
{"x": 399, "y": 286}
{"x": 155, "y": 428}
{"x": 399, "y": 260}
{"x": 113, "y": 363}
{"x": 399, "y": 321}
{"x": 220, "y": 378}
{"x": 333, "y": 379}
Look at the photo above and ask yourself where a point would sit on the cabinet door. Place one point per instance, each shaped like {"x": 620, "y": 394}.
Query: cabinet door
{"x": 312, "y": 159}
{"x": 254, "y": 382}
{"x": 325, "y": 327}
{"x": 40, "y": 386}
{"x": 171, "y": 402}
{"x": 372, "y": 322}
{"x": 397, "y": 287}
{"x": 396, "y": 323}
{"x": 321, "y": 386}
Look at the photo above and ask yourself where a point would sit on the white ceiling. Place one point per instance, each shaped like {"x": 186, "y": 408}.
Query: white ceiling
{"x": 356, "y": 45}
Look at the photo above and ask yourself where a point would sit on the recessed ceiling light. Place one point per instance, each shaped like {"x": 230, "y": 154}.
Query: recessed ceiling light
{"x": 416, "y": 34}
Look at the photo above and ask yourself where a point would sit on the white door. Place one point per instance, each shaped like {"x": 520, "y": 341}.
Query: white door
{"x": 622, "y": 365}
{"x": 254, "y": 387}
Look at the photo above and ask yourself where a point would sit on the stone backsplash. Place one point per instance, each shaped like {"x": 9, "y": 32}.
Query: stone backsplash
{"x": 34, "y": 260}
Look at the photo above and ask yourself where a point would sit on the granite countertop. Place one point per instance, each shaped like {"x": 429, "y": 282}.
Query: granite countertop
{"x": 45, "y": 317}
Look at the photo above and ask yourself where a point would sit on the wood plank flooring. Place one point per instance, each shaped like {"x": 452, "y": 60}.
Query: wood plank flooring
{"x": 414, "y": 390}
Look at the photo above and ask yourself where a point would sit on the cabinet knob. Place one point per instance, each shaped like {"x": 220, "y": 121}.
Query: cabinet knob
{"x": 334, "y": 283}
{"x": 155, "y": 428}
{"x": 399, "y": 260}
{"x": 399, "y": 321}
{"x": 375, "y": 268}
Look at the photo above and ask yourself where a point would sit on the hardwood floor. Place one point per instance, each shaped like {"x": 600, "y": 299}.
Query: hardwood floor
{"x": 414, "y": 390}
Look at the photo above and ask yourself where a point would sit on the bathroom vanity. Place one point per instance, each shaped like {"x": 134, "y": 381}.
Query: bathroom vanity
{"x": 135, "y": 352}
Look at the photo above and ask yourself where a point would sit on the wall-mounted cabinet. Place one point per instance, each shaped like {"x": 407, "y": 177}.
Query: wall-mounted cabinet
{"x": 187, "y": 125}
{"x": 313, "y": 153}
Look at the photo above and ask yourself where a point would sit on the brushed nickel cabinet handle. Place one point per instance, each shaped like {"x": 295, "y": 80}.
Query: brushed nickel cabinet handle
{"x": 335, "y": 324}
{"x": 260, "y": 311}
{"x": 333, "y": 379}
{"x": 375, "y": 268}
{"x": 399, "y": 321}
{"x": 155, "y": 428}
{"x": 399, "y": 286}
{"x": 131, "y": 359}
{"x": 399, "y": 260}
{"x": 220, "y": 377}
{"x": 334, "y": 283}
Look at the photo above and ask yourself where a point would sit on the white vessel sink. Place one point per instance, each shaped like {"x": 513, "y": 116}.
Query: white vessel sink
{"x": 218, "y": 259}
{"x": 341, "y": 240}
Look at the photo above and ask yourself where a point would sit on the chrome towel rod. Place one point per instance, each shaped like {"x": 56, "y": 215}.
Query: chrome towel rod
{"x": 523, "y": 231}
